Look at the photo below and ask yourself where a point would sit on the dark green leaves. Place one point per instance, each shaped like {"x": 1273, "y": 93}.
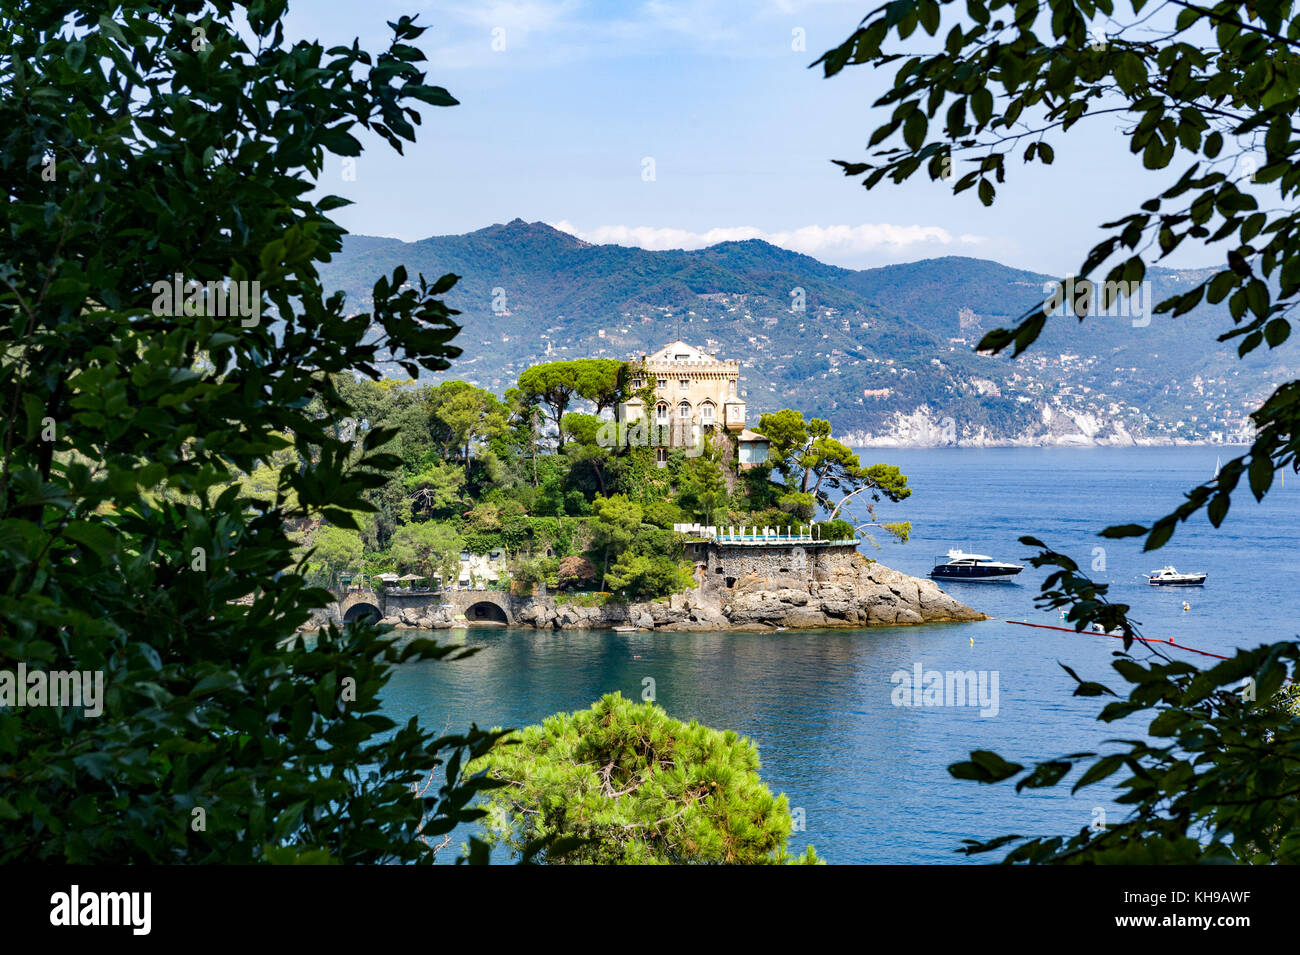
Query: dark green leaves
{"x": 985, "y": 766}
{"x": 914, "y": 129}
{"x": 433, "y": 95}
{"x": 75, "y": 54}
{"x": 1086, "y": 687}
{"x": 130, "y": 546}
{"x": 340, "y": 142}
{"x": 1130, "y": 72}
{"x": 621, "y": 783}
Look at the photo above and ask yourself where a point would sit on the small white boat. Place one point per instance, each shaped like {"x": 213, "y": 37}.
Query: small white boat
{"x": 628, "y": 629}
{"x": 1169, "y": 577}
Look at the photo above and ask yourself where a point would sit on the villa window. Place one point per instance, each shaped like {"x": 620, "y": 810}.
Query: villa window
{"x": 663, "y": 382}
{"x": 684, "y": 409}
{"x": 706, "y": 414}
{"x": 686, "y": 383}
{"x": 661, "y": 411}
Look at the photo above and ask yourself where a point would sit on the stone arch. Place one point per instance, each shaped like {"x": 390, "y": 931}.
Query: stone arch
{"x": 361, "y": 610}
{"x": 486, "y": 612}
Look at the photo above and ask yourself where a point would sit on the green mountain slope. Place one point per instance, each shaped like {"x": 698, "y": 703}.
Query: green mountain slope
{"x": 887, "y": 354}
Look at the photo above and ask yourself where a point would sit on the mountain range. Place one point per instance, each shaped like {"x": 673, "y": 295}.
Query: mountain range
{"x": 886, "y": 354}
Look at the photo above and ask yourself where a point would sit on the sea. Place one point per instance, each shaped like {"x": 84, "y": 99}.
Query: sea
{"x": 862, "y": 759}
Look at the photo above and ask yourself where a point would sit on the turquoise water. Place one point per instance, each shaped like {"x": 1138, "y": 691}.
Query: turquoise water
{"x": 869, "y": 775}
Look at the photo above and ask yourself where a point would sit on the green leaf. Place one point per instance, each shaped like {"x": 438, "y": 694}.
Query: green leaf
{"x": 1130, "y": 72}
{"x": 95, "y": 536}
{"x": 433, "y": 95}
{"x": 340, "y": 142}
{"x": 985, "y": 766}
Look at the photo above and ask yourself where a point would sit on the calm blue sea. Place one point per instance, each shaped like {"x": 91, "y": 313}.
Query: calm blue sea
{"x": 870, "y": 776}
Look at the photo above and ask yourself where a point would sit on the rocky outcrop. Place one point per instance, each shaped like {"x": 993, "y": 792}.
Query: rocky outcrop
{"x": 858, "y": 593}
{"x": 863, "y": 594}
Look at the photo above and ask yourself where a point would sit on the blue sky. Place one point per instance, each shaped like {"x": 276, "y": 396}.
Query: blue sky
{"x": 557, "y": 127}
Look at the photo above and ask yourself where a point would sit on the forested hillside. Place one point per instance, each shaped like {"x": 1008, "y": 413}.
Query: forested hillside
{"x": 886, "y": 354}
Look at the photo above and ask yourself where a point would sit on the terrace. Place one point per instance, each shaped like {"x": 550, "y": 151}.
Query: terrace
{"x": 746, "y": 536}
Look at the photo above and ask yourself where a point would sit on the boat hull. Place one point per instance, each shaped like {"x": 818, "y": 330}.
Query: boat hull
{"x": 1196, "y": 582}
{"x": 975, "y": 575}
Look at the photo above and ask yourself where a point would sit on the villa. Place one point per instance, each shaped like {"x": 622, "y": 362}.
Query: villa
{"x": 695, "y": 393}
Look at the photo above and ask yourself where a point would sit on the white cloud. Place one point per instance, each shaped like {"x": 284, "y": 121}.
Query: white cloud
{"x": 822, "y": 242}
{"x": 560, "y": 32}
{"x": 526, "y": 16}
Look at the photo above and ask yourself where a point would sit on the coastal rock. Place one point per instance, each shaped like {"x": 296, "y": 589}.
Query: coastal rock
{"x": 711, "y": 618}
{"x": 851, "y": 591}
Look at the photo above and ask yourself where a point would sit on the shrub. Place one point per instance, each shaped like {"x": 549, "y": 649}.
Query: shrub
{"x": 625, "y": 783}
{"x": 575, "y": 572}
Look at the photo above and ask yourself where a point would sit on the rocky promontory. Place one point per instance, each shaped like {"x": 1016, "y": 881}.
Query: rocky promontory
{"x": 857, "y": 593}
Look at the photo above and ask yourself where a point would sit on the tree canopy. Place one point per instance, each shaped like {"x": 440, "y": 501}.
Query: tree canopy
{"x": 625, "y": 783}
{"x": 602, "y": 381}
{"x": 139, "y": 141}
{"x": 807, "y": 457}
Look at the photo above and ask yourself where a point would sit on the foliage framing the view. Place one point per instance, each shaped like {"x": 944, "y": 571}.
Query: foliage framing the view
{"x": 1203, "y": 88}
{"x": 625, "y": 783}
{"x": 138, "y": 141}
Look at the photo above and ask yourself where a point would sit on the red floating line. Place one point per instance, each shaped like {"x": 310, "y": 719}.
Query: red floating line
{"x": 1120, "y": 636}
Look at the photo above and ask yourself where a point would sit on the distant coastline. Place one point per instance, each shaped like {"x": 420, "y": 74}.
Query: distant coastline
{"x": 1058, "y": 427}
{"x": 1045, "y": 441}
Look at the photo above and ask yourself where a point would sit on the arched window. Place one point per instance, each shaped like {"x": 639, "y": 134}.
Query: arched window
{"x": 661, "y": 411}
{"x": 684, "y": 409}
{"x": 706, "y": 412}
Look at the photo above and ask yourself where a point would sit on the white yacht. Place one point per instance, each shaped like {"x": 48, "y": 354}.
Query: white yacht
{"x": 1168, "y": 577}
{"x": 979, "y": 568}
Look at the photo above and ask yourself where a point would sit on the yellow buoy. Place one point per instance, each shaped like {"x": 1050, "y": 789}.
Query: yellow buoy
{"x": 972, "y": 641}
{"x": 1186, "y": 606}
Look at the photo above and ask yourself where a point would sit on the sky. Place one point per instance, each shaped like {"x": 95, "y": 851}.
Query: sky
{"x": 680, "y": 123}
